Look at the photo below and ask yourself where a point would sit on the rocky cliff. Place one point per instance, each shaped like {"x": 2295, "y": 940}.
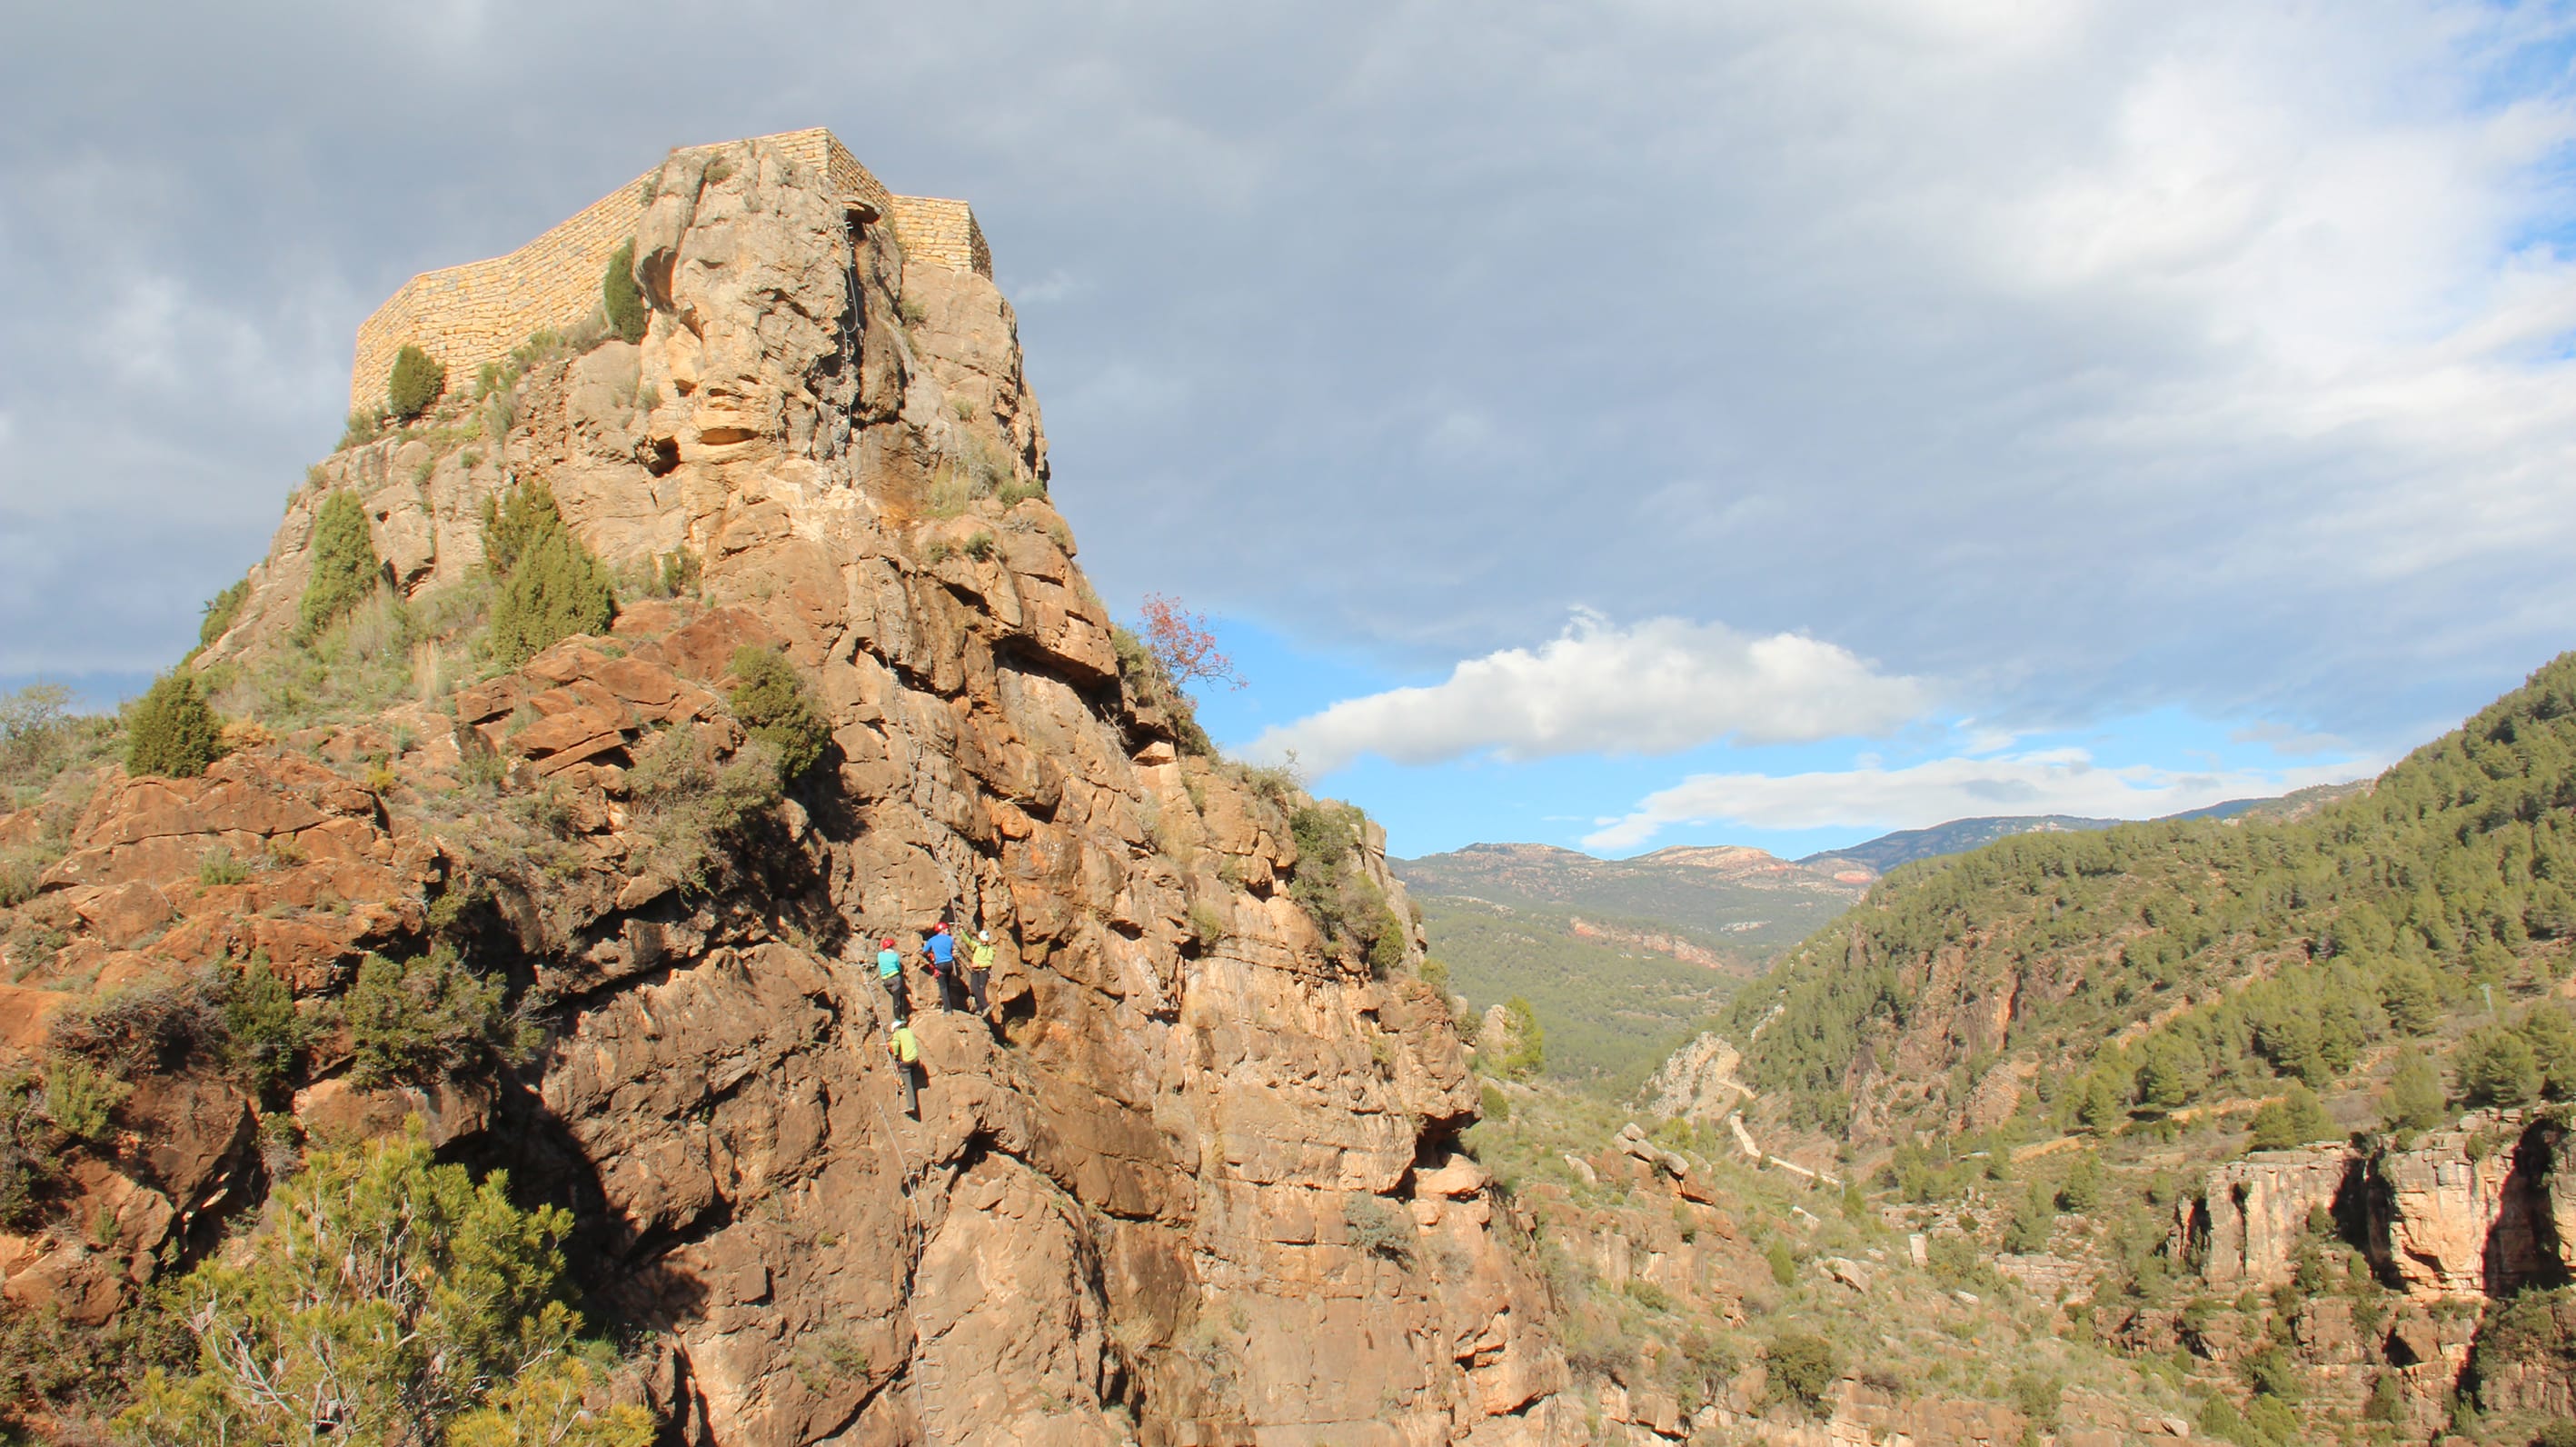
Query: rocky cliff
{"x": 1191, "y": 1178}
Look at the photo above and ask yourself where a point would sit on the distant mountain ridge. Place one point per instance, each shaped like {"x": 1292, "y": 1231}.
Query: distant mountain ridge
{"x": 1673, "y": 885}
{"x": 1958, "y": 836}
{"x": 1737, "y": 902}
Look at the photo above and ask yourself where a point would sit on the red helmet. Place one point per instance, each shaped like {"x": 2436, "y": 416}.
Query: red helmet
{"x": 885, "y": 944}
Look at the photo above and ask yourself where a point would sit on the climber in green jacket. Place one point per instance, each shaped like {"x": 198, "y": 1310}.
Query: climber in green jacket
{"x": 906, "y": 1051}
{"x": 979, "y": 972}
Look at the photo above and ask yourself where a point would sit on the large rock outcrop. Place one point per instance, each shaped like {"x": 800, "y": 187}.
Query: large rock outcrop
{"x": 2483, "y": 1210}
{"x": 1192, "y": 1181}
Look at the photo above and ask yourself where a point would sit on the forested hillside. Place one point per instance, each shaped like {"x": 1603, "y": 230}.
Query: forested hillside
{"x": 2069, "y": 980}
{"x": 1612, "y": 1009}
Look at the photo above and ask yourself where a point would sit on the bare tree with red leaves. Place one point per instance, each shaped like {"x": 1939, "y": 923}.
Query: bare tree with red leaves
{"x": 1181, "y": 642}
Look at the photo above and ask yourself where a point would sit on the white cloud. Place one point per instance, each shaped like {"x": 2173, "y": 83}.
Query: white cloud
{"x": 1665, "y": 685}
{"x": 2045, "y": 781}
{"x": 2089, "y": 357}
{"x": 2292, "y": 742}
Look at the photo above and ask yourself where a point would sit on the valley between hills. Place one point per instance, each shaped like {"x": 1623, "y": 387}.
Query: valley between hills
{"x": 666, "y": 910}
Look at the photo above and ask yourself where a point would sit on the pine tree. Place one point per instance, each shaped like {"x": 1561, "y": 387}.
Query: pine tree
{"x": 2496, "y": 1067}
{"x": 623, "y": 299}
{"x": 386, "y": 1299}
{"x": 551, "y": 586}
{"x": 346, "y": 571}
{"x": 2551, "y": 1034}
{"x": 2414, "y": 1099}
{"x": 774, "y": 706}
{"x": 2293, "y": 1120}
{"x": 417, "y": 380}
{"x": 171, "y": 731}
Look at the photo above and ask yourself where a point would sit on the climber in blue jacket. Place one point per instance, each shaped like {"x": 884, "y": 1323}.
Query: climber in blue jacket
{"x": 941, "y": 948}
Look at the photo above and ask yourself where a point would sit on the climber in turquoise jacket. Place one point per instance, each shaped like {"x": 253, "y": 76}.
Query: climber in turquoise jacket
{"x": 890, "y": 975}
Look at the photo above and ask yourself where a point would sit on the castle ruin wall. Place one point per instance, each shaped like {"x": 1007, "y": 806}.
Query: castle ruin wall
{"x": 468, "y": 315}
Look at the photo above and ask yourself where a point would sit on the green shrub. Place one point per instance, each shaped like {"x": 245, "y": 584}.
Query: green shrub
{"x": 2038, "y": 1395}
{"x": 265, "y": 1037}
{"x": 1015, "y": 492}
{"x": 365, "y": 425}
{"x": 2082, "y": 1189}
{"x": 623, "y": 298}
{"x": 1526, "y": 1056}
{"x": 346, "y": 571}
{"x": 680, "y": 572}
{"x": 2556, "y": 1434}
{"x": 2496, "y": 1067}
{"x": 80, "y": 1099}
{"x": 427, "y": 1019}
{"x": 1492, "y": 1104}
{"x": 2414, "y": 1099}
{"x": 1802, "y": 1368}
{"x": 1378, "y": 1229}
{"x": 19, "y": 872}
{"x": 691, "y": 808}
{"x": 217, "y": 867}
{"x": 2273, "y": 1421}
{"x": 2551, "y": 1034}
{"x": 2219, "y": 1418}
{"x": 417, "y": 380}
{"x": 1783, "y": 1262}
{"x": 221, "y": 611}
{"x": 2032, "y": 1224}
{"x": 551, "y": 586}
{"x": 776, "y": 708}
{"x": 2293, "y": 1120}
{"x": 171, "y": 731}
{"x": 2272, "y": 1372}
{"x": 1207, "y": 924}
{"x": 401, "y": 1295}
{"x": 1331, "y": 886}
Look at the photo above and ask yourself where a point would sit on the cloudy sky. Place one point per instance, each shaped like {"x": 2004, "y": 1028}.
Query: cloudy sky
{"x": 1618, "y": 425}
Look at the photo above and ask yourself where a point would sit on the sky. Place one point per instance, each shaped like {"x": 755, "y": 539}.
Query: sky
{"x": 1645, "y": 423}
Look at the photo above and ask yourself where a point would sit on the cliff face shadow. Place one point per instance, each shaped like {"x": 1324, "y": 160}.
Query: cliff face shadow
{"x": 2522, "y": 1247}
{"x": 625, "y": 1287}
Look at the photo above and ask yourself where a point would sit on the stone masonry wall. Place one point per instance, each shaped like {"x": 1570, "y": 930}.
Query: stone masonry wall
{"x": 934, "y": 229}
{"x": 475, "y": 313}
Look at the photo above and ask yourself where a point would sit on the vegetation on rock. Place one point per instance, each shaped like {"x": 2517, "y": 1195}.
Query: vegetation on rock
{"x": 694, "y": 806}
{"x": 220, "y": 612}
{"x": 623, "y": 299}
{"x": 424, "y": 1020}
{"x": 776, "y": 708}
{"x": 1336, "y": 891}
{"x": 1145, "y": 678}
{"x": 1801, "y": 1366}
{"x": 387, "y": 1300}
{"x": 170, "y": 731}
{"x": 550, "y": 586}
{"x": 418, "y": 379}
{"x": 346, "y": 570}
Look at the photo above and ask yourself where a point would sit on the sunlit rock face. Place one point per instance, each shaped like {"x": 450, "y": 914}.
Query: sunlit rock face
{"x": 1190, "y": 1180}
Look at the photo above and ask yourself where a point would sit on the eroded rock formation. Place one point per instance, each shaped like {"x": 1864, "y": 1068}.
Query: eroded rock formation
{"x": 1191, "y": 1182}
